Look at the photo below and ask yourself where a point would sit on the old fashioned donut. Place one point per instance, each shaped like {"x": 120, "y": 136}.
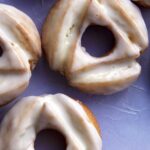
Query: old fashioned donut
{"x": 62, "y": 33}
{"x": 20, "y": 49}
{"x": 74, "y": 120}
{"x": 143, "y": 2}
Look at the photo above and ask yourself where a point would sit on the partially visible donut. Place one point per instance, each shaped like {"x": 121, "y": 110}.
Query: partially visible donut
{"x": 61, "y": 38}
{"x": 143, "y": 2}
{"x": 31, "y": 115}
{"x": 20, "y": 48}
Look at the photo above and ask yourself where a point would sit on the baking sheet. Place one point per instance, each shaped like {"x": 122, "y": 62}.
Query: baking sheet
{"x": 124, "y": 117}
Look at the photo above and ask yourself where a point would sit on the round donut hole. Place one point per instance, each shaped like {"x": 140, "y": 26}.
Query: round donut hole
{"x": 98, "y": 40}
{"x": 50, "y": 140}
{"x": 1, "y": 51}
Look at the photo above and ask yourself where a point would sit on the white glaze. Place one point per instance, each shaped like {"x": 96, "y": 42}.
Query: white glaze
{"x": 33, "y": 114}
{"x": 123, "y": 18}
{"x": 20, "y": 42}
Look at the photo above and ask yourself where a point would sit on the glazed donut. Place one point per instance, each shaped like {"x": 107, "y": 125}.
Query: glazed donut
{"x": 61, "y": 38}
{"x": 20, "y": 48}
{"x": 143, "y": 2}
{"x": 20, "y": 126}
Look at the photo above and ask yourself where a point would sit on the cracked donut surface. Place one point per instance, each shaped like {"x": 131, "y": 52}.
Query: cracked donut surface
{"x": 32, "y": 114}
{"x": 61, "y": 38}
{"x": 20, "y": 50}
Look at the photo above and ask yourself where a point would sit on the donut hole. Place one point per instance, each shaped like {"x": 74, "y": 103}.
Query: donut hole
{"x": 50, "y": 140}
{"x": 98, "y": 40}
{"x": 1, "y": 51}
